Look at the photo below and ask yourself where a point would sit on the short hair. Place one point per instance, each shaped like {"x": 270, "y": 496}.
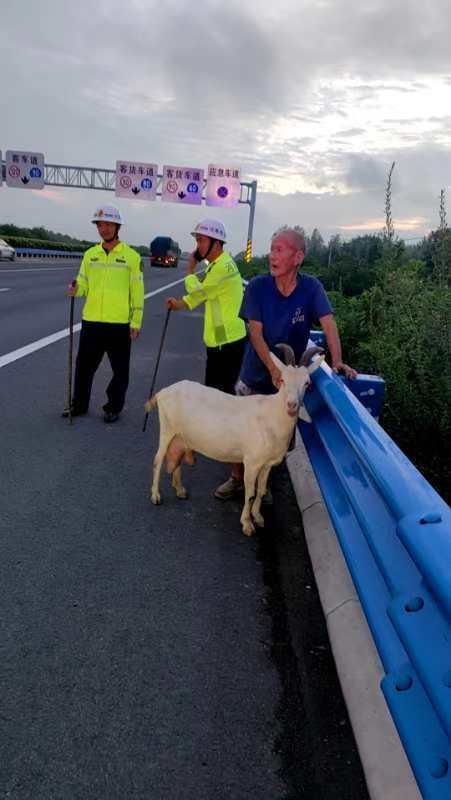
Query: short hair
{"x": 295, "y": 238}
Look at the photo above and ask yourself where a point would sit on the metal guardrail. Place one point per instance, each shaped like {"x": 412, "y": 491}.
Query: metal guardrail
{"x": 33, "y": 252}
{"x": 395, "y": 534}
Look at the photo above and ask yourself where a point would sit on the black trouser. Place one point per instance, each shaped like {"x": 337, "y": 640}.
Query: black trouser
{"x": 224, "y": 364}
{"x": 96, "y": 339}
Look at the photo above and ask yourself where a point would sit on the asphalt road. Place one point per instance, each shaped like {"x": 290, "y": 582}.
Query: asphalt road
{"x": 146, "y": 652}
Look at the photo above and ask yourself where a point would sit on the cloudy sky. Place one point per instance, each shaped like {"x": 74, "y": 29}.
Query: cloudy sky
{"x": 312, "y": 98}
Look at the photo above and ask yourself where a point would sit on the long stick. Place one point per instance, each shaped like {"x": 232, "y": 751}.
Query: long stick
{"x": 156, "y": 365}
{"x": 71, "y": 345}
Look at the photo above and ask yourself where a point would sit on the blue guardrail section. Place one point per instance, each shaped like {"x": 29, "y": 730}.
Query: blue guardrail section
{"x": 35, "y": 252}
{"x": 395, "y": 534}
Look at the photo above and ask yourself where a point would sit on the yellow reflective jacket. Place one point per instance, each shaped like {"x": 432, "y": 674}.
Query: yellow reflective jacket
{"x": 112, "y": 284}
{"x": 221, "y": 289}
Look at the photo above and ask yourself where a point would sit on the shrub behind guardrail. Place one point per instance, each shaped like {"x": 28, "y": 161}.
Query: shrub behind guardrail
{"x": 42, "y": 244}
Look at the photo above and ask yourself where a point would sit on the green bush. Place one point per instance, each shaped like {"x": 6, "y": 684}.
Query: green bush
{"x": 64, "y": 243}
{"x": 259, "y": 265}
{"x": 42, "y": 244}
{"x": 400, "y": 329}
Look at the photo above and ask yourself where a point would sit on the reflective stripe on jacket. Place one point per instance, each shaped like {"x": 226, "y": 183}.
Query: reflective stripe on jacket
{"x": 221, "y": 289}
{"x": 112, "y": 284}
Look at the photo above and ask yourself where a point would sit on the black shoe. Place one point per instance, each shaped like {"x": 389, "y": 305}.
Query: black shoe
{"x": 110, "y": 416}
{"x": 75, "y": 412}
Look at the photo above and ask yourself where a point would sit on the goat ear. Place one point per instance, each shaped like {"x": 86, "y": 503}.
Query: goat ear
{"x": 279, "y": 364}
{"x": 303, "y": 414}
{"x": 315, "y": 364}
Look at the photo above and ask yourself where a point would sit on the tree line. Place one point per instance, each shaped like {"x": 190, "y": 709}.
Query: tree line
{"x": 40, "y": 237}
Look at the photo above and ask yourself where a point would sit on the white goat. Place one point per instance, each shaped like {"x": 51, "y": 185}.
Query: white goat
{"x": 255, "y": 430}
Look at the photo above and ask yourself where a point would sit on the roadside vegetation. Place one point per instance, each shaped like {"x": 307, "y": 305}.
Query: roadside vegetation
{"x": 49, "y": 240}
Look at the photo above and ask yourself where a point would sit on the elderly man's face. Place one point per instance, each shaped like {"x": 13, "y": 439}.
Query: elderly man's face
{"x": 284, "y": 258}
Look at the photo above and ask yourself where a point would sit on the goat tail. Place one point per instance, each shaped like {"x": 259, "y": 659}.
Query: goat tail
{"x": 150, "y": 403}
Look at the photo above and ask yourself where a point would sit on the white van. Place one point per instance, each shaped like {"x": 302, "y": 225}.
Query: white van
{"x": 6, "y": 251}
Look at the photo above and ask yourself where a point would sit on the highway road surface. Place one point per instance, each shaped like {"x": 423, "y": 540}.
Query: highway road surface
{"x": 146, "y": 652}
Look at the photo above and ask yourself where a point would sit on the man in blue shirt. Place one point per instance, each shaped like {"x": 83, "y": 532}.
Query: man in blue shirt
{"x": 281, "y": 307}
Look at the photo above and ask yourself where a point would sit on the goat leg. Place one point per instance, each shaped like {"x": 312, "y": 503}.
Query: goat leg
{"x": 155, "y": 495}
{"x": 250, "y": 477}
{"x": 180, "y": 490}
{"x": 262, "y": 482}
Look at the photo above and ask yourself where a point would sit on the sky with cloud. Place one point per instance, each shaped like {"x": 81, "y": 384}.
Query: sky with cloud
{"x": 314, "y": 99}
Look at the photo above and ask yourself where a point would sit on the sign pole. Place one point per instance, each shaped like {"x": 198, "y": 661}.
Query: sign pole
{"x": 250, "y": 230}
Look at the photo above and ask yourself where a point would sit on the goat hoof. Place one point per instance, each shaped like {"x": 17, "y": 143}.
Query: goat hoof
{"x": 248, "y": 529}
{"x": 182, "y": 494}
{"x": 156, "y": 499}
{"x": 258, "y": 519}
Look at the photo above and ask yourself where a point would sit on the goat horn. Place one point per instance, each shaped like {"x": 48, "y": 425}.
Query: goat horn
{"x": 307, "y": 355}
{"x": 290, "y": 359}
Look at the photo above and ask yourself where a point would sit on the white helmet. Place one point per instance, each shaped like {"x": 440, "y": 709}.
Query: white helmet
{"x": 212, "y": 228}
{"x": 107, "y": 214}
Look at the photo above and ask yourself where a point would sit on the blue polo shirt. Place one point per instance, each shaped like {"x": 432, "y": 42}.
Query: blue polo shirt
{"x": 285, "y": 320}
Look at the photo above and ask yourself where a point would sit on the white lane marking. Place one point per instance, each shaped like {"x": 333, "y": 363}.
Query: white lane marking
{"x": 27, "y": 271}
{"x": 30, "y": 348}
{"x": 163, "y": 288}
{"x": 5, "y": 290}
{"x": 8, "y": 358}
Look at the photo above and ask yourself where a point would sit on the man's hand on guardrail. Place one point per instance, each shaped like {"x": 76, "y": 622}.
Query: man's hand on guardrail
{"x": 348, "y": 371}
{"x": 72, "y": 289}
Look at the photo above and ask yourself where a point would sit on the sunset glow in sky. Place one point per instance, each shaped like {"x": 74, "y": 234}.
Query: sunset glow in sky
{"x": 314, "y": 100}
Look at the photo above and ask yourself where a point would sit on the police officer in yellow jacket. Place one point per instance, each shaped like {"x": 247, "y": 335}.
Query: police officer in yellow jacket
{"x": 110, "y": 278}
{"x": 221, "y": 289}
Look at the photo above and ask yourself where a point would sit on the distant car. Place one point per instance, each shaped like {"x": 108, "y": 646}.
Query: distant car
{"x": 6, "y": 251}
{"x": 164, "y": 252}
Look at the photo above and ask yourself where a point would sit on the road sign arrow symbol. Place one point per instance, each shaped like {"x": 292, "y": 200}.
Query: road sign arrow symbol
{"x": 135, "y": 190}
{"x": 182, "y": 195}
{"x": 25, "y": 179}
